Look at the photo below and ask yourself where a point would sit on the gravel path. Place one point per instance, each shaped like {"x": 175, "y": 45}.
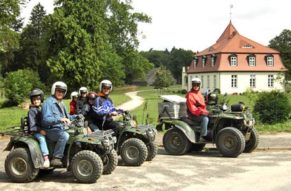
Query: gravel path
{"x": 135, "y": 101}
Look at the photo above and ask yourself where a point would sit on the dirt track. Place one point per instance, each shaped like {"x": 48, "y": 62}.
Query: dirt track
{"x": 200, "y": 171}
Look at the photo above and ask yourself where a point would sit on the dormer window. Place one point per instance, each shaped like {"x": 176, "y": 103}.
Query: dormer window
{"x": 213, "y": 60}
{"x": 233, "y": 60}
{"x": 269, "y": 60}
{"x": 204, "y": 59}
{"x": 195, "y": 60}
{"x": 251, "y": 60}
{"x": 247, "y": 46}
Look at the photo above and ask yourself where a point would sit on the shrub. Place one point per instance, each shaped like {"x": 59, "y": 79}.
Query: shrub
{"x": 164, "y": 78}
{"x": 272, "y": 107}
{"x": 18, "y": 85}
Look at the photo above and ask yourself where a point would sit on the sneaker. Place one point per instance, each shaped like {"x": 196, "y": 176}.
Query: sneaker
{"x": 46, "y": 164}
{"x": 56, "y": 162}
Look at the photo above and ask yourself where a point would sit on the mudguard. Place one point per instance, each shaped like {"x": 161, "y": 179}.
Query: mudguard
{"x": 184, "y": 127}
{"x": 32, "y": 145}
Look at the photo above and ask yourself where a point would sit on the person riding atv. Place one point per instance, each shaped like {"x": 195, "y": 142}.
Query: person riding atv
{"x": 232, "y": 130}
{"x": 86, "y": 155}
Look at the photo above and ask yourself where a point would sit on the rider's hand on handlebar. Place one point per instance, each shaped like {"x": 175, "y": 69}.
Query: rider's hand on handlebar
{"x": 65, "y": 120}
{"x": 114, "y": 113}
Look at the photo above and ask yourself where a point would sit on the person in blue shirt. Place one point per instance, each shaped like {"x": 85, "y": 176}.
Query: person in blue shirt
{"x": 34, "y": 123}
{"x": 104, "y": 108}
{"x": 54, "y": 119}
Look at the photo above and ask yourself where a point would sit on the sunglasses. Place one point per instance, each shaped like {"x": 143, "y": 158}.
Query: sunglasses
{"x": 194, "y": 84}
{"x": 106, "y": 88}
{"x": 60, "y": 91}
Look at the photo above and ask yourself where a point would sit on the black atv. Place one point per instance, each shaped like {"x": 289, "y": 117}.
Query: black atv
{"x": 232, "y": 130}
{"x": 86, "y": 155}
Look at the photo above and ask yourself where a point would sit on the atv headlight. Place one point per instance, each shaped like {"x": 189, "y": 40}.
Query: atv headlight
{"x": 151, "y": 134}
{"x": 106, "y": 143}
{"x": 249, "y": 123}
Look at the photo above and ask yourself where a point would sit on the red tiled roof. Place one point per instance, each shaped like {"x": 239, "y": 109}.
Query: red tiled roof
{"x": 231, "y": 42}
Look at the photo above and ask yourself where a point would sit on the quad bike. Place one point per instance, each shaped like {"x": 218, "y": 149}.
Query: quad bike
{"x": 86, "y": 155}
{"x": 135, "y": 143}
{"x": 232, "y": 130}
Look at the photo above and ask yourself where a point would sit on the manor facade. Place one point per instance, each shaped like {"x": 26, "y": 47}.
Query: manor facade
{"x": 235, "y": 64}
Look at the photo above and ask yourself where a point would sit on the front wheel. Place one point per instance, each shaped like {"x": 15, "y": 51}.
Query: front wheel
{"x": 175, "y": 142}
{"x": 87, "y": 166}
{"x": 230, "y": 142}
{"x": 19, "y": 166}
{"x": 133, "y": 152}
{"x": 152, "y": 151}
{"x": 110, "y": 161}
{"x": 253, "y": 142}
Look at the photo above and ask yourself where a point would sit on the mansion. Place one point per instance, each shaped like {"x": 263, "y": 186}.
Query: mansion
{"x": 235, "y": 64}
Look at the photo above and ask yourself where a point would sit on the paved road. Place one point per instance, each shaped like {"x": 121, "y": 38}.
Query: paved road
{"x": 263, "y": 170}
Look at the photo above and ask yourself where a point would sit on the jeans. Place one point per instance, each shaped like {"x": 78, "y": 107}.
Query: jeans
{"x": 42, "y": 143}
{"x": 203, "y": 120}
{"x": 60, "y": 137}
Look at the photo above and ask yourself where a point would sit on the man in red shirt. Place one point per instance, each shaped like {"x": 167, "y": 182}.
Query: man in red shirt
{"x": 196, "y": 107}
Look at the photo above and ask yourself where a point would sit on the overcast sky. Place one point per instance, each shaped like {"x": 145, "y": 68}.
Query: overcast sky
{"x": 197, "y": 24}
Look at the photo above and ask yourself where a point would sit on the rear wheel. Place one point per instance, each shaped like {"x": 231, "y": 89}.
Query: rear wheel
{"x": 152, "y": 151}
{"x": 19, "y": 166}
{"x": 230, "y": 142}
{"x": 175, "y": 142}
{"x": 87, "y": 166}
{"x": 133, "y": 152}
{"x": 110, "y": 161}
{"x": 253, "y": 142}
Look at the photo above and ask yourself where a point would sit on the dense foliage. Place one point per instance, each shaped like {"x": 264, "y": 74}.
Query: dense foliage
{"x": 18, "y": 85}
{"x": 282, "y": 43}
{"x": 173, "y": 60}
{"x": 163, "y": 79}
{"x": 272, "y": 107}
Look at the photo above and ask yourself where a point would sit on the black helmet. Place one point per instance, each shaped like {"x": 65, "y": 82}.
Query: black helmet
{"x": 212, "y": 99}
{"x": 36, "y": 92}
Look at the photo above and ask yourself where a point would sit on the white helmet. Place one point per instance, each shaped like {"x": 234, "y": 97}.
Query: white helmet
{"x": 74, "y": 94}
{"x": 107, "y": 83}
{"x": 60, "y": 85}
{"x": 196, "y": 81}
{"x": 82, "y": 89}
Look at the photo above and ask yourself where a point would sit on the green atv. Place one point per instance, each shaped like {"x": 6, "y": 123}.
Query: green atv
{"x": 135, "y": 143}
{"x": 232, "y": 130}
{"x": 86, "y": 155}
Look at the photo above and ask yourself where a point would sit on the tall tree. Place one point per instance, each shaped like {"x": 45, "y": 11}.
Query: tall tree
{"x": 179, "y": 59}
{"x": 282, "y": 43}
{"x": 123, "y": 30}
{"x": 32, "y": 53}
{"x": 9, "y": 24}
{"x": 83, "y": 47}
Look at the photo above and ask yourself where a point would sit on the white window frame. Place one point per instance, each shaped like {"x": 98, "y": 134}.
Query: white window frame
{"x": 214, "y": 81}
{"x": 252, "y": 81}
{"x": 252, "y": 61}
{"x": 270, "y": 61}
{"x": 208, "y": 81}
{"x": 233, "y": 61}
{"x": 203, "y": 61}
{"x": 270, "y": 81}
{"x": 234, "y": 81}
